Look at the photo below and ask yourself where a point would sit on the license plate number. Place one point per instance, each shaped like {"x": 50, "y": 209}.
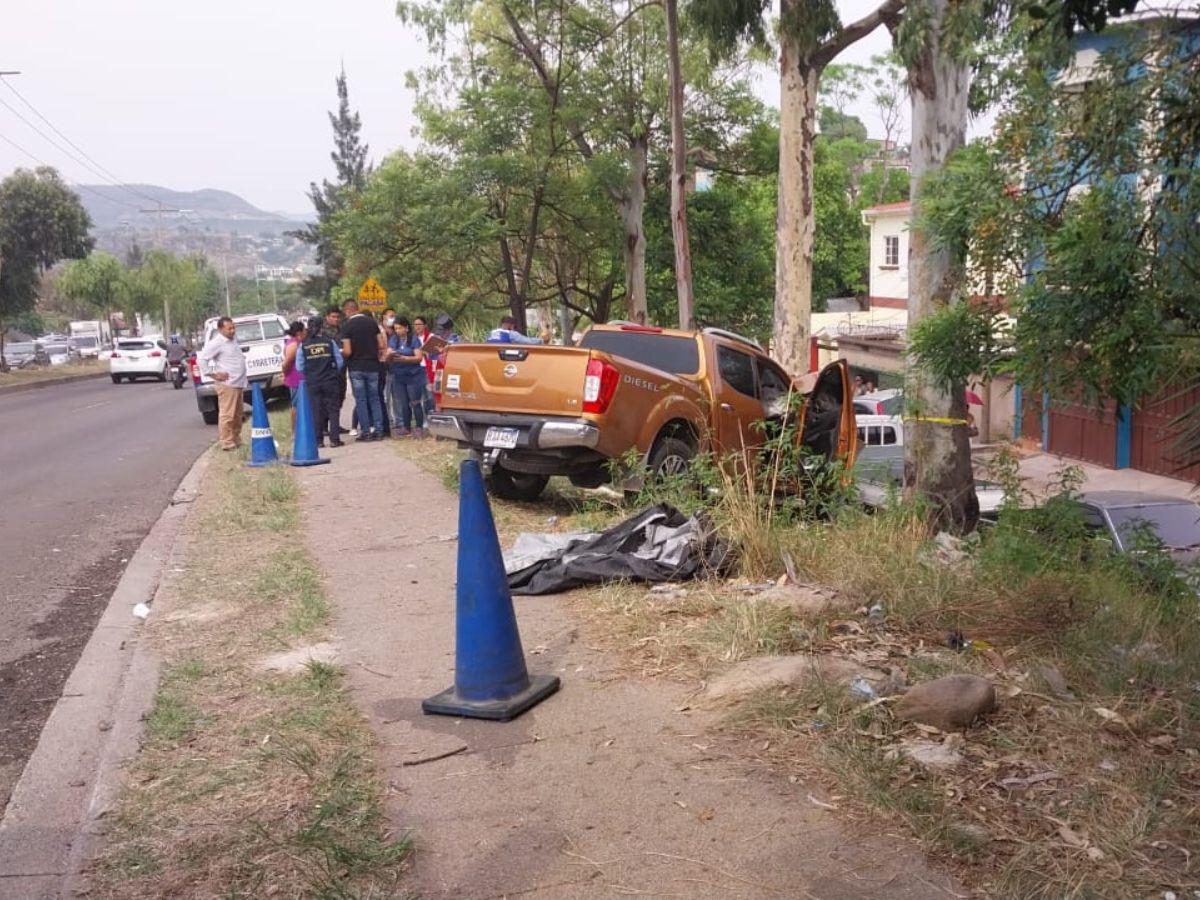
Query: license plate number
{"x": 266, "y": 362}
{"x": 504, "y": 438}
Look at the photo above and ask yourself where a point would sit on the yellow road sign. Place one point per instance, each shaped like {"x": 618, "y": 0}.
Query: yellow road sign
{"x": 372, "y": 296}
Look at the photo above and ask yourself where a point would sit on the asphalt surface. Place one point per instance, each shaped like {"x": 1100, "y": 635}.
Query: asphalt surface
{"x": 85, "y": 470}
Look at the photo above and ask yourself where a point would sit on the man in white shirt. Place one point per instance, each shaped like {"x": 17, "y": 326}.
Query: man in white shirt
{"x": 222, "y": 360}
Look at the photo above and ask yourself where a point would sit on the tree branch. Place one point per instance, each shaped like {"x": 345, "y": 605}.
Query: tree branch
{"x": 887, "y": 13}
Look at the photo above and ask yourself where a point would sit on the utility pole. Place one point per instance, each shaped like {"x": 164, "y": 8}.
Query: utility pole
{"x": 225, "y": 272}
{"x": 679, "y": 227}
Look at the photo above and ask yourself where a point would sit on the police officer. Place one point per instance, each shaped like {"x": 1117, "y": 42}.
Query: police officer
{"x": 320, "y": 359}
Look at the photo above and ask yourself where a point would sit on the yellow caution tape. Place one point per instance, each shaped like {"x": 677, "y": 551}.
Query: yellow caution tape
{"x": 936, "y": 420}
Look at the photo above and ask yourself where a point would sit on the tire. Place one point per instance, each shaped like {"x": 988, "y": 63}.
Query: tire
{"x": 116, "y": 379}
{"x": 162, "y": 376}
{"x": 670, "y": 457}
{"x": 209, "y": 416}
{"x": 508, "y": 485}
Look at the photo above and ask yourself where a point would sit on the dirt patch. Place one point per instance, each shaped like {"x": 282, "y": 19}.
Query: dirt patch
{"x": 297, "y": 660}
{"x": 31, "y": 684}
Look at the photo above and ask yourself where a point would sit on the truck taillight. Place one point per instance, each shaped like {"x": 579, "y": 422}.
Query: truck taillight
{"x": 114, "y": 354}
{"x": 156, "y": 353}
{"x": 599, "y": 385}
{"x": 194, "y": 369}
{"x": 439, "y": 373}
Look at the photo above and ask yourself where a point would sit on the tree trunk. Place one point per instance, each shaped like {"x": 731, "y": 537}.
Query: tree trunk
{"x": 937, "y": 452}
{"x": 679, "y": 226}
{"x": 516, "y": 298}
{"x": 794, "y": 226}
{"x": 632, "y": 205}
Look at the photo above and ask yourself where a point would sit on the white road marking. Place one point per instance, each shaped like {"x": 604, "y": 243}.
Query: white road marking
{"x": 91, "y": 406}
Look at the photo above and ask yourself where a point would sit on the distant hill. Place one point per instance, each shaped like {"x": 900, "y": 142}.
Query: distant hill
{"x": 112, "y": 207}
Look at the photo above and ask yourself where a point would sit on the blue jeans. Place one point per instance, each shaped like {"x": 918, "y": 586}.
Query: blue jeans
{"x": 408, "y": 397}
{"x": 365, "y": 386}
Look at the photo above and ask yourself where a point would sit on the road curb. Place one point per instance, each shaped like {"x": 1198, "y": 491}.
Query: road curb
{"x": 72, "y": 779}
{"x": 47, "y": 382}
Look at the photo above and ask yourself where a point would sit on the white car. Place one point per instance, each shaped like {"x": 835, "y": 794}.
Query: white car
{"x": 134, "y": 357}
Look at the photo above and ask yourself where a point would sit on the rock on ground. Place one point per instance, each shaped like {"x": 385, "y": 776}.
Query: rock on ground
{"x": 803, "y": 599}
{"x": 761, "y": 672}
{"x": 931, "y": 755}
{"x": 948, "y": 703}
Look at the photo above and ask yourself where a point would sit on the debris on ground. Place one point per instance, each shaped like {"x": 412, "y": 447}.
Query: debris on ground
{"x": 660, "y": 544}
{"x": 788, "y": 671}
{"x": 805, "y": 600}
{"x": 933, "y": 755}
{"x": 948, "y": 703}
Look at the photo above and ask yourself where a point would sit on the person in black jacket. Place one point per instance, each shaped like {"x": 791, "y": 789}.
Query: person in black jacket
{"x": 320, "y": 359}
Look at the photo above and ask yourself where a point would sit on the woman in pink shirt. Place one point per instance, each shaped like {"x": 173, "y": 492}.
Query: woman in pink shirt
{"x": 291, "y": 375}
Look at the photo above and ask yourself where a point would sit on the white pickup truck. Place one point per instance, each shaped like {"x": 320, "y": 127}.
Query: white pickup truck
{"x": 261, "y": 338}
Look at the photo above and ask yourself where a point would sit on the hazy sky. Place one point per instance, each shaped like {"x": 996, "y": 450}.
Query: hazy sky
{"x": 221, "y": 94}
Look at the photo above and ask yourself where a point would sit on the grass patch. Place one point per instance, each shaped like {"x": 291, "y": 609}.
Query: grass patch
{"x": 46, "y": 373}
{"x": 249, "y": 783}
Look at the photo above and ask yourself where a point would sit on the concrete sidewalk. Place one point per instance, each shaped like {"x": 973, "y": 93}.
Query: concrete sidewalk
{"x": 609, "y": 788}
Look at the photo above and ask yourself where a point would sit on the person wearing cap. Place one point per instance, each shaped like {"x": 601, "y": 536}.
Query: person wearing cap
{"x": 319, "y": 362}
{"x": 507, "y": 334}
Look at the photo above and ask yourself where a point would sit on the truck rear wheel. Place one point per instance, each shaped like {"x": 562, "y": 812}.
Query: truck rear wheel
{"x": 209, "y": 416}
{"x": 509, "y": 485}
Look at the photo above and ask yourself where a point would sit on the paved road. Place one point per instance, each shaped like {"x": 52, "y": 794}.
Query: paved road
{"x": 85, "y": 470}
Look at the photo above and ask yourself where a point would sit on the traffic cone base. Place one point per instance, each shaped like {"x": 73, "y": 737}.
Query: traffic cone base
{"x": 449, "y": 703}
{"x": 490, "y": 677}
{"x": 304, "y": 446}
{"x": 262, "y": 442}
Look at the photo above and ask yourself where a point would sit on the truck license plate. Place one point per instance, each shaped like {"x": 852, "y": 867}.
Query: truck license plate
{"x": 504, "y": 438}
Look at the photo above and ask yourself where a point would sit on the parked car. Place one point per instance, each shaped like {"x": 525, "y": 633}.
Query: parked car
{"x": 879, "y": 473}
{"x": 59, "y": 353}
{"x": 888, "y": 402}
{"x": 20, "y": 354}
{"x": 261, "y": 338}
{"x": 138, "y": 357}
{"x": 1123, "y": 515}
{"x": 533, "y": 411}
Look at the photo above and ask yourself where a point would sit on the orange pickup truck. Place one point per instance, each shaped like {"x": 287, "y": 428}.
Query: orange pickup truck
{"x": 532, "y": 411}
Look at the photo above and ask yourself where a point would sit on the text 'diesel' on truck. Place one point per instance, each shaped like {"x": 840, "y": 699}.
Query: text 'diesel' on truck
{"x": 533, "y": 411}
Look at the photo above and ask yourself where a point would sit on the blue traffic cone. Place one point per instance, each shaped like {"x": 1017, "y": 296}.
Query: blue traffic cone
{"x": 304, "y": 447}
{"x": 490, "y": 678}
{"x": 262, "y": 442}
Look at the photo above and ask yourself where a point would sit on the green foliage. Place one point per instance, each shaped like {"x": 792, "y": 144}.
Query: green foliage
{"x": 329, "y": 198}
{"x": 41, "y": 222}
{"x": 98, "y": 279}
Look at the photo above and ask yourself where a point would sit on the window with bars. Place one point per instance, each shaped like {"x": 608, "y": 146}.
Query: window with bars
{"x": 891, "y": 250}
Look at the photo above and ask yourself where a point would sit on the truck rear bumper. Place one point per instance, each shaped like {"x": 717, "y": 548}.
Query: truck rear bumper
{"x": 534, "y": 433}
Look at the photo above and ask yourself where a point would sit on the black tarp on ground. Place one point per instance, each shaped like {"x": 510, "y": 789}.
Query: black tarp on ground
{"x": 659, "y": 544}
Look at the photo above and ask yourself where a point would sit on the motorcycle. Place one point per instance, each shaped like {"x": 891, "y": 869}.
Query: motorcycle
{"x": 177, "y": 374}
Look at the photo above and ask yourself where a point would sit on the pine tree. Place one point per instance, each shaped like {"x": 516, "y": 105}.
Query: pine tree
{"x": 328, "y": 198}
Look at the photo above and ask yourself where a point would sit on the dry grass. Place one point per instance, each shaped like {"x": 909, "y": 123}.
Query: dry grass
{"x": 249, "y": 783}
{"x": 1112, "y": 808}
{"x": 1096, "y": 794}
{"x": 47, "y": 373}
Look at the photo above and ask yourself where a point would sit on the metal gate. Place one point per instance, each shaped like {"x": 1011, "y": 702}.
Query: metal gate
{"x": 1153, "y": 438}
{"x": 1084, "y": 432}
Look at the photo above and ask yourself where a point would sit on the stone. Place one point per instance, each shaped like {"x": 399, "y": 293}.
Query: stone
{"x": 798, "y": 670}
{"x": 948, "y": 703}
{"x": 1055, "y": 681}
{"x": 803, "y": 599}
{"x": 931, "y": 755}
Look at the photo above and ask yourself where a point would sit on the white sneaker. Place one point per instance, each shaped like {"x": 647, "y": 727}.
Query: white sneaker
{"x": 353, "y": 432}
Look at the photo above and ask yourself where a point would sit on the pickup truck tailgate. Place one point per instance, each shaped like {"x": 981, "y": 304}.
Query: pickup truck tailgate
{"x": 546, "y": 380}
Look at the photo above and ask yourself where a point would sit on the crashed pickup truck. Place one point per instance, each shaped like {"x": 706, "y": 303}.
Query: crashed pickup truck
{"x": 533, "y": 411}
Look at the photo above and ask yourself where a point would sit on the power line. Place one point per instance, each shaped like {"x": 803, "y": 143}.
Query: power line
{"x": 82, "y": 187}
{"x": 95, "y": 169}
{"x": 115, "y": 180}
